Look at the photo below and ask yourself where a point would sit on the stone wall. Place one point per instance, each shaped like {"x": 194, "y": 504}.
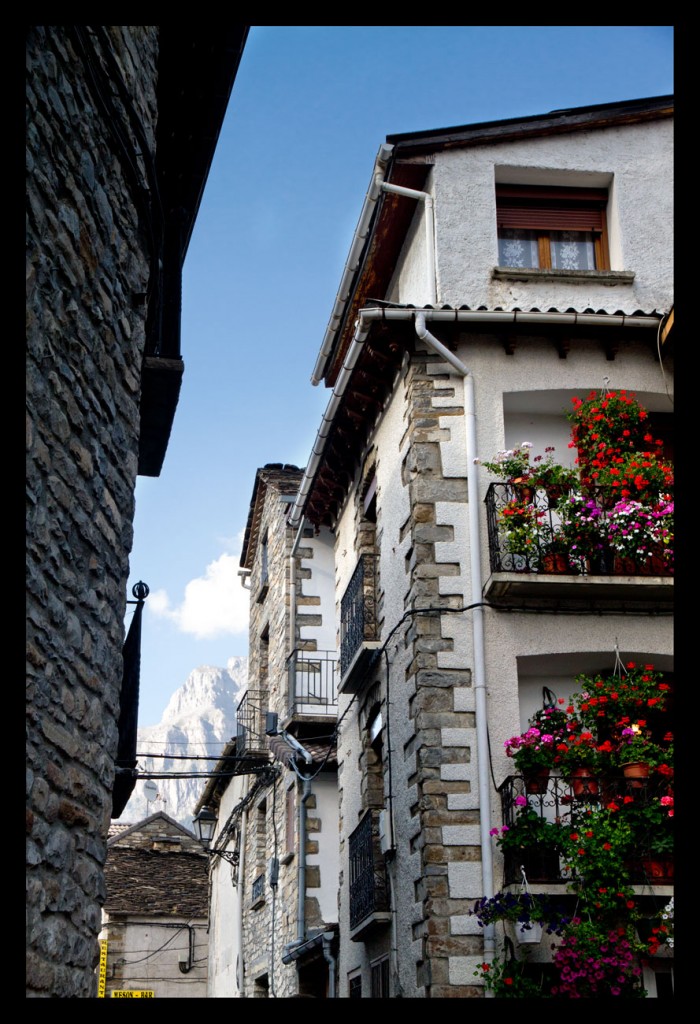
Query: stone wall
{"x": 87, "y": 276}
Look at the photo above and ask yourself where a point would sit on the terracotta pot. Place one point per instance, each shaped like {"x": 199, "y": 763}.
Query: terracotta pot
{"x": 555, "y": 563}
{"x": 525, "y": 492}
{"x": 536, "y": 782}
{"x": 624, "y": 566}
{"x": 583, "y": 782}
{"x": 636, "y": 773}
{"x": 658, "y": 869}
{"x": 554, "y": 493}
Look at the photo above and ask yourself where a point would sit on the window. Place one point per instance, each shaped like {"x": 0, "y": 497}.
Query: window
{"x": 264, "y": 575}
{"x": 380, "y": 978}
{"x": 355, "y": 986}
{"x": 552, "y": 228}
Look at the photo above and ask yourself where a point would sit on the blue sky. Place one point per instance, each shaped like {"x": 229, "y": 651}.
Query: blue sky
{"x": 309, "y": 109}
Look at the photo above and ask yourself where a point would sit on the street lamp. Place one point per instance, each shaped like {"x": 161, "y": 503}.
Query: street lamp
{"x": 205, "y": 823}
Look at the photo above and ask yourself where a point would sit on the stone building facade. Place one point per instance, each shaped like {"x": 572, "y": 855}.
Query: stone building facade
{"x": 117, "y": 155}
{"x": 274, "y": 913}
{"x": 442, "y": 655}
{"x": 155, "y": 916}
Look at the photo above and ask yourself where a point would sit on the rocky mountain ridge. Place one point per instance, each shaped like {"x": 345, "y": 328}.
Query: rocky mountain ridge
{"x": 199, "y": 720}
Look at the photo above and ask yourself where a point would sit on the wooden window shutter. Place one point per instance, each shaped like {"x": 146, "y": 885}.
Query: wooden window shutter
{"x": 551, "y": 209}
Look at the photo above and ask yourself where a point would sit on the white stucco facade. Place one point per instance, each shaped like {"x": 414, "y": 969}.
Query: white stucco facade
{"x": 424, "y": 747}
{"x": 635, "y": 165}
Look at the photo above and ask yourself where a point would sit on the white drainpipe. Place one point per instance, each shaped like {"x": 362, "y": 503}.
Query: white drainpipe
{"x": 240, "y": 966}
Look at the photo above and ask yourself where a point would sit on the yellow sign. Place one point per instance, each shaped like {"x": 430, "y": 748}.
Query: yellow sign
{"x": 136, "y": 994}
{"x": 102, "y": 973}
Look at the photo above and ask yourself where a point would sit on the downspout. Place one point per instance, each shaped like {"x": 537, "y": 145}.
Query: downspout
{"x": 477, "y": 624}
{"x": 240, "y": 966}
{"x": 330, "y": 960}
{"x": 301, "y": 875}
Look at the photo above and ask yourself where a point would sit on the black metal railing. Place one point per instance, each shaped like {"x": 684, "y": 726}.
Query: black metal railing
{"x": 556, "y": 798}
{"x": 547, "y": 550}
{"x": 313, "y": 682}
{"x": 368, "y": 890}
{"x": 358, "y": 610}
{"x": 250, "y": 722}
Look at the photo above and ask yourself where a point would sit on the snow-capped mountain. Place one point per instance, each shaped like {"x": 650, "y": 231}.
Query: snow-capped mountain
{"x": 199, "y": 719}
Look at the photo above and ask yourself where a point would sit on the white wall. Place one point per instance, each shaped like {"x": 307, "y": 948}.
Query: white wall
{"x": 225, "y": 907}
{"x": 635, "y": 163}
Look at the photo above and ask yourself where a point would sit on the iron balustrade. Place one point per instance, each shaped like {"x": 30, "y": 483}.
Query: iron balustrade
{"x": 313, "y": 682}
{"x": 250, "y": 722}
{"x": 598, "y": 558}
{"x": 358, "y": 610}
{"x": 558, "y": 796}
{"x": 368, "y": 892}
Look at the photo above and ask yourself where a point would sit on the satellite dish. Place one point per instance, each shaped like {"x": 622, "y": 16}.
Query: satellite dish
{"x": 150, "y": 790}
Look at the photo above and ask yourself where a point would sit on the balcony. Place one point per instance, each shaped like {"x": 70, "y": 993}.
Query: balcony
{"x": 359, "y": 630}
{"x": 313, "y": 684}
{"x": 598, "y": 579}
{"x": 369, "y": 903}
{"x": 557, "y": 799}
{"x": 250, "y": 726}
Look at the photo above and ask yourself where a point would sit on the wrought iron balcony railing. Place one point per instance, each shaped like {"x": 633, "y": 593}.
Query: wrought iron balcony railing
{"x": 368, "y": 887}
{"x": 554, "y": 802}
{"x": 358, "y": 611}
{"x": 250, "y": 724}
{"x": 313, "y": 683}
{"x": 533, "y": 551}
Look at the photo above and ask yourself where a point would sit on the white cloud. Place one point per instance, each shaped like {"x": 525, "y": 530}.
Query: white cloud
{"x": 214, "y": 604}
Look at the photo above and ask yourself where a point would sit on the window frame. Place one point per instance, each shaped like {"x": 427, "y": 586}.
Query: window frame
{"x": 545, "y": 210}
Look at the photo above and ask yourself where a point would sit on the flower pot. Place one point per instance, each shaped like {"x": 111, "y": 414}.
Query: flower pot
{"x": 554, "y": 494}
{"x": 528, "y": 934}
{"x": 636, "y": 773}
{"x": 658, "y": 869}
{"x": 555, "y": 563}
{"x": 623, "y": 566}
{"x": 525, "y": 492}
{"x": 536, "y": 782}
{"x": 583, "y": 783}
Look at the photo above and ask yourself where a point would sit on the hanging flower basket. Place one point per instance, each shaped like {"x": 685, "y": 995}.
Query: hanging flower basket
{"x": 528, "y": 933}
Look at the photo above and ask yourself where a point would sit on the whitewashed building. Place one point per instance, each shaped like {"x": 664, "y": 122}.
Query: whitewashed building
{"x": 462, "y": 327}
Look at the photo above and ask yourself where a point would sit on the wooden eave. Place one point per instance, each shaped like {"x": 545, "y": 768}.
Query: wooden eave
{"x": 556, "y": 122}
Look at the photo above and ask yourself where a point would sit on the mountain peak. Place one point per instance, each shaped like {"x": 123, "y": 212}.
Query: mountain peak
{"x": 200, "y": 718}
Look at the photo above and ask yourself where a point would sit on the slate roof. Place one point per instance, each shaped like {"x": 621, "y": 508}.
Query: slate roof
{"x": 151, "y": 882}
{"x": 156, "y": 867}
